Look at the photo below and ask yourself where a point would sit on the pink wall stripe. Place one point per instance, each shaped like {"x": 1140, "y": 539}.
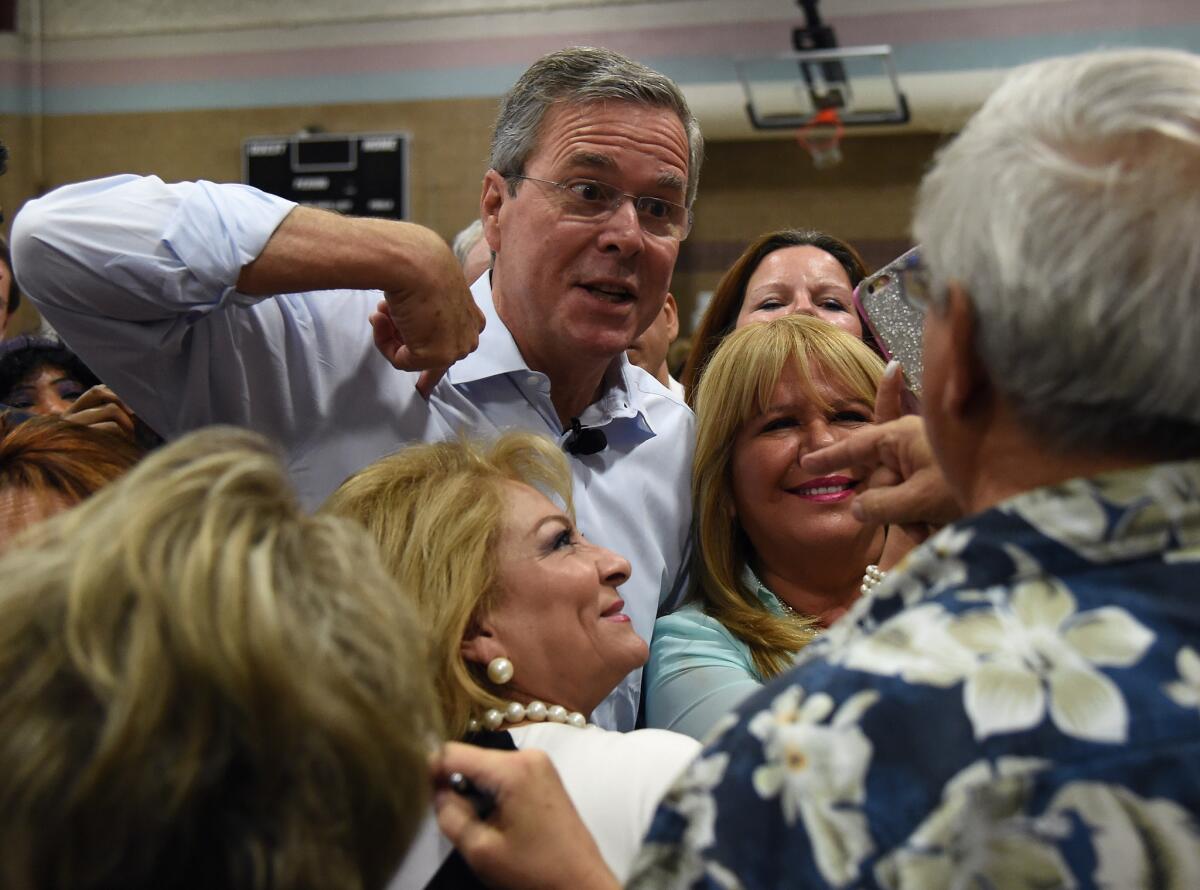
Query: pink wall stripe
{"x": 676, "y": 41}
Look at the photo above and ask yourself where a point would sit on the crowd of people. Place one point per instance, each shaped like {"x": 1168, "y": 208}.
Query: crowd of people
{"x": 485, "y": 597}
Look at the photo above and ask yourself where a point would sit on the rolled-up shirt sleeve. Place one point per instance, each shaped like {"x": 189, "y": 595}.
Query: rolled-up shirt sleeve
{"x": 139, "y": 278}
{"x": 137, "y": 249}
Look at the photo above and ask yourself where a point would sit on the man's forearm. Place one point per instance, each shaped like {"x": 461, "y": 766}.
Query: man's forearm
{"x": 317, "y": 250}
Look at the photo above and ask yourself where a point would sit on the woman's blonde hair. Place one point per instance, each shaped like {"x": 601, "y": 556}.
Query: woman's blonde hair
{"x": 737, "y": 384}
{"x": 201, "y": 686}
{"x": 436, "y": 512}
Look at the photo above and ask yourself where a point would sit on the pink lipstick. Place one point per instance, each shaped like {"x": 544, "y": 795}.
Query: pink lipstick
{"x": 615, "y": 613}
{"x": 826, "y": 489}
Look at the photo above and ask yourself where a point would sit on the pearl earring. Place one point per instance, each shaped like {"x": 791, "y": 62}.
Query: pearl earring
{"x": 500, "y": 670}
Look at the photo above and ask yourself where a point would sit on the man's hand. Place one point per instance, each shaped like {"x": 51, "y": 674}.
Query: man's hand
{"x": 102, "y": 409}
{"x": 902, "y": 484}
{"x": 431, "y": 320}
{"x": 534, "y": 838}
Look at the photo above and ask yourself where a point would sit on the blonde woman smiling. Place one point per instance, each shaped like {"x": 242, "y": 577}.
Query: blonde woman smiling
{"x": 779, "y": 555}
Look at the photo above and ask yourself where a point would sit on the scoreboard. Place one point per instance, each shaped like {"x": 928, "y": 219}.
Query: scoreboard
{"x": 361, "y": 174}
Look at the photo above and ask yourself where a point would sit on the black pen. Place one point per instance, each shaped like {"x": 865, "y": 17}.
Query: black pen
{"x": 483, "y": 801}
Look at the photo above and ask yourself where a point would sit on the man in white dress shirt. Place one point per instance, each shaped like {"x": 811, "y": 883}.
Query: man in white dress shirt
{"x": 202, "y": 303}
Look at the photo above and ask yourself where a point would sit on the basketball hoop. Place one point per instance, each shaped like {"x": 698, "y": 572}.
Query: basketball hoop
{"x": 821, "y": 137}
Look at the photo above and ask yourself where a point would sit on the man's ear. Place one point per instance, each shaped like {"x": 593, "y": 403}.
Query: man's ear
{"x": 672, "y": 311}
{"x": 495, "y": 193}
{"x": 968, "y": 387}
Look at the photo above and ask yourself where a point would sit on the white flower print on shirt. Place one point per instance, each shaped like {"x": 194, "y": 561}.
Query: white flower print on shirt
{"x": 928, "y": 570}
{"x": 659, "y": 866}
{"x": 1037, "y": 655}
{"x": 914, "y": 645}
{"x": 1138, "y": 841}
{"x": 1185, "y": 691}
{"x": 1118, "y": 515}
{"x": 978, "y": 836}
{"x": 818, "y": 770}
{"x": 983, "y": 836}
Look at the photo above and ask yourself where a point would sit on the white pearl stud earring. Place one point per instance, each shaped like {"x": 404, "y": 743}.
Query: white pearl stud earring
{"x": 500, "y": 670}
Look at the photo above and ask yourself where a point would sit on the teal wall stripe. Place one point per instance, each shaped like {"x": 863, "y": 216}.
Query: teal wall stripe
{"x": 451, "y": 83}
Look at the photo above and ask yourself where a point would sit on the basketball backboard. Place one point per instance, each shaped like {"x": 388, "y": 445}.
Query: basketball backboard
{"x": 785, "y": 91}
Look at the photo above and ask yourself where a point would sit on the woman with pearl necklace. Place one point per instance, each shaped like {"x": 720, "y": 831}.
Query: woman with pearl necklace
{"x": 526, "y": 623}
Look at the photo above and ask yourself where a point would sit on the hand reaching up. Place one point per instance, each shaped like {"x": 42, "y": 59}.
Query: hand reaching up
{"x": 101, "y": 408}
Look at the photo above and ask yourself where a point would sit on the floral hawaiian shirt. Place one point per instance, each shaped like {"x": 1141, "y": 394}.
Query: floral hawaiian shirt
{"x": 1017, "y": 706}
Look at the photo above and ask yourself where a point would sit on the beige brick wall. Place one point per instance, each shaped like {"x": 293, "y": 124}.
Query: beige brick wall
{"x": 746, "y": 188}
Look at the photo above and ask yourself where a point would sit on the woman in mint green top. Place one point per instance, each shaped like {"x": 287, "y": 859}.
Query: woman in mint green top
{"x": 772, "y": 393}
{"x": 698, "y": 670}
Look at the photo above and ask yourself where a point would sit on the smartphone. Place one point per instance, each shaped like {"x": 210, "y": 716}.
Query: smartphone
{"x": 894, "y": 320}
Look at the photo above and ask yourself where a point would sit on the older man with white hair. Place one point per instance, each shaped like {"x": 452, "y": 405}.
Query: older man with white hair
{"x": 1019, "y": 704}
{"x": 1021, "y": 701}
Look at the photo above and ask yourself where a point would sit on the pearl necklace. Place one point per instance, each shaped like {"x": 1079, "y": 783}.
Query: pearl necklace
{"x": 535, "y": 712}
{"x": 872, "y": 578}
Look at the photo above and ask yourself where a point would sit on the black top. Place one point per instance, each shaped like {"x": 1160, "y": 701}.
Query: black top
{"x": 455, "y": 874}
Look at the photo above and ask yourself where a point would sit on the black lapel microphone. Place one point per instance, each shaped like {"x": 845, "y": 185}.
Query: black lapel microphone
{"x": 584, "y": 439}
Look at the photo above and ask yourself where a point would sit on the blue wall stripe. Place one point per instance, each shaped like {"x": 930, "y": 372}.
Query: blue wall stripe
{"x": 944, "y": 56}
{"x": 283, "y": 91}
{"x": 965, "y": 55}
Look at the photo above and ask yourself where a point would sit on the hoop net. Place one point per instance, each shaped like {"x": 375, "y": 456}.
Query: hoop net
{"x": 821, "y": 137}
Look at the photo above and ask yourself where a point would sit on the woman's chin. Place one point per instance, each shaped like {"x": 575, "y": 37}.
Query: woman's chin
{"x": 643, "y": 654}
{"x": 631, "y": 657}
{"x": 837, "y": 537}
{"x": 634, "y": 651}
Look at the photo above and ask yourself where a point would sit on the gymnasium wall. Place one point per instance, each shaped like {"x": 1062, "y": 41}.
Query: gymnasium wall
{"x": 94, "y": 87}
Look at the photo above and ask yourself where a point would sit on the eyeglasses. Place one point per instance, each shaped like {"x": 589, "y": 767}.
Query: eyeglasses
{"x": 916, "y": 289}
{"x": 586, "y": 199}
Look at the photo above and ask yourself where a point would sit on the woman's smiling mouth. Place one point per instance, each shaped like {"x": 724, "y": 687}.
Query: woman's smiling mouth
{"x": 826, "y": 488}
{"x": 615, "y": 612}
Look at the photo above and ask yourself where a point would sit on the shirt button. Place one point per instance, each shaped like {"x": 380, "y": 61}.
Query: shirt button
{"x": 533, "y": 379}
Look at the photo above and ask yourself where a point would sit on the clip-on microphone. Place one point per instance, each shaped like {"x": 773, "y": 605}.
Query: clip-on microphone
{"x": 584, "y": 439}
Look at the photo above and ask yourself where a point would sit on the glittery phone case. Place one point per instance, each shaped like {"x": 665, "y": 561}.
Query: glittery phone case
{"x": 896, "y": 323}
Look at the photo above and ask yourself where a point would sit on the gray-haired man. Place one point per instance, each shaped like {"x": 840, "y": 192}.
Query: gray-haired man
{"x": 594, "y": 166}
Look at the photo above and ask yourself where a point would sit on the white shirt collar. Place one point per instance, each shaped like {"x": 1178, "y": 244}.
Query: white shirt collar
{"x": 498, "y": 354}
